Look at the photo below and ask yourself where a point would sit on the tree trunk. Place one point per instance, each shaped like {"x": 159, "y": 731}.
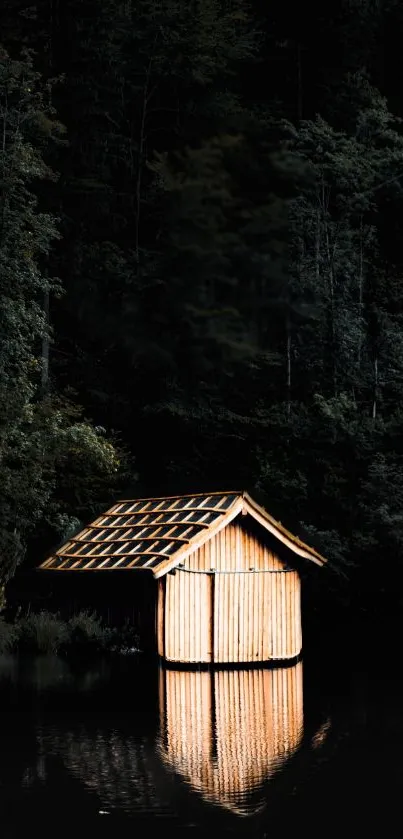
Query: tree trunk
{"x": 331, "y": 313}
{"x": 300, "y": 102}
{"x": 45, "y": 346}
{"x": 53, "y": 11}
{"x": 374, "y": 402}
{"x": 146, "y": 99}
{"x": 317, "y": 246}
{"x": 288, "y": 357}
{"x": 360, "y": 291}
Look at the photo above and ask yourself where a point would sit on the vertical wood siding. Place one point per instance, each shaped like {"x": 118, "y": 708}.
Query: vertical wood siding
{"x": 229, "y": 618}
{"x": 236, "y": 617}
{"x": 226, "y": 732}
{"x": 160, "y": 616}
{"x": 233, "y": 549}
{"x": 188, "y": 614}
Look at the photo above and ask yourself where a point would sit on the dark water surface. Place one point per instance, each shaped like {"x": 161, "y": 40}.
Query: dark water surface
{"x": 123, "y": 748}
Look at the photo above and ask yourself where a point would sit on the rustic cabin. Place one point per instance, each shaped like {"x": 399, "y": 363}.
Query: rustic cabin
{"x": 216, "y": 575}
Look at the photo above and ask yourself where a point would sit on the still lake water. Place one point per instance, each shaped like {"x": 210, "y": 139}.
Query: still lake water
{"x": 122, "y": 748}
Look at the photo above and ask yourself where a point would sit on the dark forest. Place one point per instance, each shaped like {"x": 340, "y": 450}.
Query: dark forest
{"x": 201, "y": 271}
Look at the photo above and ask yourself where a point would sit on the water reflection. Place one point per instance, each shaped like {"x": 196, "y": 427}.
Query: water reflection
{"x": 214, "y": 741}
{"x": 226, "y": 732}
{"x": 212, "y": 750}
{"x": 321, "y": 734}
{"x": 50, "y": 672}
{"x": 108, "y": 762}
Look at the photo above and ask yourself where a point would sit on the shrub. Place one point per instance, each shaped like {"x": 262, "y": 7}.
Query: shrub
{"x": 8, "y": 636}
{"x": 123, "y": 639}
{"x": 42, "y": 632}
{"x": 127, "y": 638}
{"x": 86, "y": 631}
{"x": 83, "y": 633}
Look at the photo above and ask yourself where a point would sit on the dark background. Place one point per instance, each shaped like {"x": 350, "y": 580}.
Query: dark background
{"x": 228, "y": 199}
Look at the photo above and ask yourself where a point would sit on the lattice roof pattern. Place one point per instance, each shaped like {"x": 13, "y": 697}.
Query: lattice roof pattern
{"x": 157, "y": 533}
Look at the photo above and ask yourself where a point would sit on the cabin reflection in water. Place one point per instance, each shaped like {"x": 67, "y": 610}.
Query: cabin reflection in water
{"x": 226, "y": 732}
{"x": 222, "y": 735}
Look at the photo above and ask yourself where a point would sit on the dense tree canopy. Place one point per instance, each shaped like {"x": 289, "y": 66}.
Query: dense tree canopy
{"x": 201, "y": 216}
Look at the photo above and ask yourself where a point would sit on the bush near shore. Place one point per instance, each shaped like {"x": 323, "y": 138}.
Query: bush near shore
{"x": 45, "y": 632}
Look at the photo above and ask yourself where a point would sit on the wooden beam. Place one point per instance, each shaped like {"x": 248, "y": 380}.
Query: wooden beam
{"x": 161, "y": 512}
{"x": 149, "y": 524}
{"x": 105, "y": 556}
{"x": 143, "y": 568}
{"x": 155, "y": 538}
{"x": 199, "y": 539}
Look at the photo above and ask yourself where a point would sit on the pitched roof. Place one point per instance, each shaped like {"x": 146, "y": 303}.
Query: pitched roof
{"x": 157, "y": 534}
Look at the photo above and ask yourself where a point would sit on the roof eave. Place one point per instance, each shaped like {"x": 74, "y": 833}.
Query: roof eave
{"x": 279, "y": 532}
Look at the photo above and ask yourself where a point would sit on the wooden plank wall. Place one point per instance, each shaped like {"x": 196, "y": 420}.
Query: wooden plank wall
{"x": 257, "y": 617}
{"x": 229, "y": 618}
{"x": 233, "y": 549}
{"x": 226, "y": 732}
{"x": 232, "y": 615}
{"x": 188, "y": 616}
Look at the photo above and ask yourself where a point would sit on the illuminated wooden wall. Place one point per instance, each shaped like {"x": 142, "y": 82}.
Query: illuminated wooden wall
{"x": 226, "y": 732}
{"x": 233, "y": 601}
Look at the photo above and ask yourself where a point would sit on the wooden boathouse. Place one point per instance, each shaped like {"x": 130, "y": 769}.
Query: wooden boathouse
{"x": 226, "y": 573}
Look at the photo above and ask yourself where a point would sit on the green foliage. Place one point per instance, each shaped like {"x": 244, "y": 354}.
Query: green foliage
{"x": 42, "y": 633}
{"x": 226, "y": 202}
{"x": 335, "y": 253}
{"x": 49, "y": 634}
{"x": 85, "y": 465}
{"x": 25, "y": 238}
{"x": 86, "y": 633}
{"x": 8, "y": 636}
{"x": 230, "y": 254}
{"x": 124, "y": 639}
{"x": 46, "y": 448}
